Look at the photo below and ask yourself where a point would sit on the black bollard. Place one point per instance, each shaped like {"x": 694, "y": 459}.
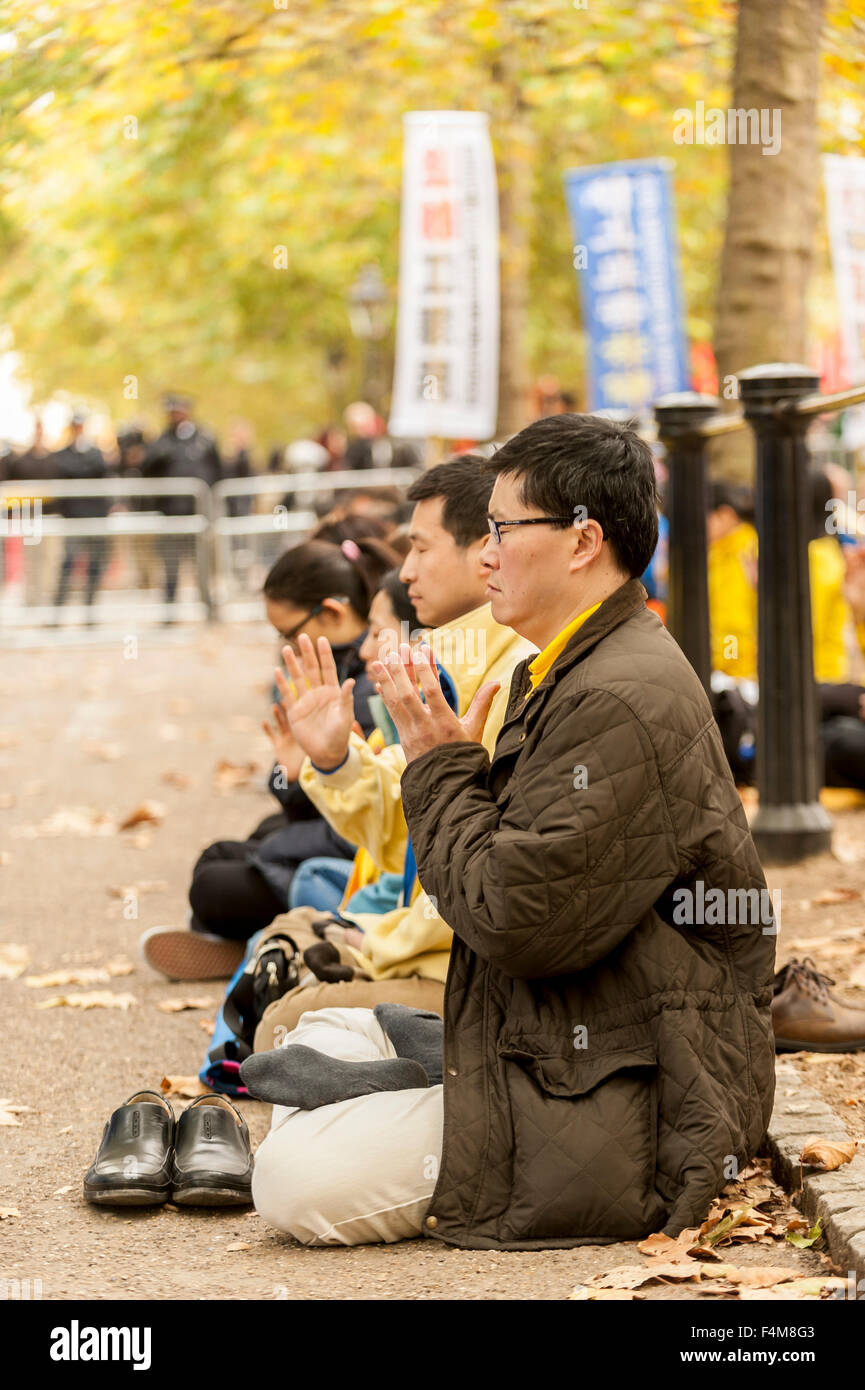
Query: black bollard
{"x": 790, "y": 822}
{"x": 679, "y": 418}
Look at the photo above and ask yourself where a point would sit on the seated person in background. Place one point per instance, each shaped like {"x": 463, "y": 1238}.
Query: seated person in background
{"x": 606, "y": 1054}
{"x": 239, "y": 886}
{"x": 732, "y": 565}
{"x": 403, "y": 954}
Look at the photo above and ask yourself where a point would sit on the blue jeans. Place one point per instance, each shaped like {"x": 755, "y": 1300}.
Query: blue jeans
{"x": 319, "y": 883}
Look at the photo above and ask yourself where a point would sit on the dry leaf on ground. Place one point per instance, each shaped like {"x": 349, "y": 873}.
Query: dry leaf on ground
{"x": 182, "y": 780}
{"x": 106, "y": 752}
{"x": 184, "y": 1087}
{"x": 188, "y": 1001}
{"x": 13, "y": 961}
{"x": 145, "y": 813}
{"x": 137, "y": 890}
{"x": 208, "y": 1024}
{"x": 6, "y": 1212}
{"x": 61, "y": 1191}
{"x": 830, "y": 896}
{"x": 80, "y": 975}
{"x": 229, "y": 775}
{"x": 68, "y": 820}
{"x": 9, "y": 1112}
{"x": 238, "y": 1245}
{"x": 582, "y": 1294}
{"x": 818, "y": 1286}
{"x": 93, "y": 999}
{"x": 827, "y": 1154}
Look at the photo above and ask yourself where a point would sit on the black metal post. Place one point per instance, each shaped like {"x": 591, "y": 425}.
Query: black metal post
{"x": 790, "y": 822}
{"x": 679, "y": 417}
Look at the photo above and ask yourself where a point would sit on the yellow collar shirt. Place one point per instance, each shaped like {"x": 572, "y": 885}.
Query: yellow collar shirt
{"x": 544, "y": 660}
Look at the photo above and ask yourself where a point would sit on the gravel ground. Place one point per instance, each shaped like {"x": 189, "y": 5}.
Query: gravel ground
{"x": 91, "y": 732}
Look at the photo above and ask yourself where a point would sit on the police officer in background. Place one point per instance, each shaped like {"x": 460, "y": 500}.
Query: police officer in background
{"x": 79, "y": 459}
{"x": 183, "y": 450}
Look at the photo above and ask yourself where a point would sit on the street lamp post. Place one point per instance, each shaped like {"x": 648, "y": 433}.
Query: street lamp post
{"x": 367, "y": 303}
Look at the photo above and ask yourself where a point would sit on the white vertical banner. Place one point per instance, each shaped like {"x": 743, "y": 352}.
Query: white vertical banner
{"x": 447, "y": 347}
{"x": 845, "y": 213}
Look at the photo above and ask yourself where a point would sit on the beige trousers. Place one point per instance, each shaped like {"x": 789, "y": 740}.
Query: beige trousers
{"x": 357, "y": 1172}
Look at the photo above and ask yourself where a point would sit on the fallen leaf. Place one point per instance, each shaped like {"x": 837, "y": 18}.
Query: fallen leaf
{"x": 817, "y": 1286}
{"x": 829, "y": 896}
{"x": 137, "y": 890}
{"x": 177, "y": 779}
{"x": 803, "y": 1239}
{"x": 229, "y": 775}
{"x": 61, "y": 1191}
{"x": 13, "y": 961}
{"x": 188, "y": 1001}
{"x": 69, "y": 820}
{"x": 6, "y": 1212}
{"x": 82, "y": 975}
{"x": 208, "y": 1024}
{"x": 826, "y": 1153}
{"x": 583, "y": 1294}
{"x": 633, "y": 1276}
{"x": 106, "y": 752}
{"x": 185, "y": 1087}
{"x": 9, "y": 1110}
{"x": 94, "y": 999}
{"x": 146, "y": 812}
{"x": 238, "y": 1245}
{"x": 67, "y": 1129}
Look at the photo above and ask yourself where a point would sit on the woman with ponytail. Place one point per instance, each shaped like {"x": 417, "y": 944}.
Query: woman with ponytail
{"x": 239, "y": 886}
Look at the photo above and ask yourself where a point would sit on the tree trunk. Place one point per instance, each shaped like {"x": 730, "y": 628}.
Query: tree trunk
{"x": 772, "y": 205}
{"x": 514, "y": 139}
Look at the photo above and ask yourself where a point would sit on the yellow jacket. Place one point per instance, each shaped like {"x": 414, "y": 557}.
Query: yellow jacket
{"x": 830, "y": 611}
{"x": 362, "y": 801}
{"x": 733, "y": 602}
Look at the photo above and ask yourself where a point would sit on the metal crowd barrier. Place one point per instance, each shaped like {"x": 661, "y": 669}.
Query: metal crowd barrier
{"x": 779, "y": 402}
{"x": 246, "y": 545}
{"x": 138, "y": 565}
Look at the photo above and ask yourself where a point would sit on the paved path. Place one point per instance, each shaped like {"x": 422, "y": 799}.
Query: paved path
{"x": 91, "y": 728}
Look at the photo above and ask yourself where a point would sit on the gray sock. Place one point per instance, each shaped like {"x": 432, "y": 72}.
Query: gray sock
{"x": 417, "y": 1034}
{"x": 299, "y": 1076}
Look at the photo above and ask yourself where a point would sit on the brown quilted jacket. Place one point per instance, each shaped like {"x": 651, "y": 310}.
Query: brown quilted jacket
{"x": 604, "y": 1062}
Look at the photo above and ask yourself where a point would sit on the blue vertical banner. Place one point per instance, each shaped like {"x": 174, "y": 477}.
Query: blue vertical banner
{"x": 628, "y": 272}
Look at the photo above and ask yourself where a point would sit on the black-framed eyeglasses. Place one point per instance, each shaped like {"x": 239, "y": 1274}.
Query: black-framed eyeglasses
{"x": 313, "y": 613}
{"x": 298, "y": 627}
{"x": 496, "y": 526}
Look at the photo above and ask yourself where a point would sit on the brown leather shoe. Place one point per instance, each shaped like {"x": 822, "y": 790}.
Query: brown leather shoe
{"x": 807, "y": 1017}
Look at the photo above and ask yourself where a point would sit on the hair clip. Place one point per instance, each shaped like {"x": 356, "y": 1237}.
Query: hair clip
{"x": 350, "y": 550}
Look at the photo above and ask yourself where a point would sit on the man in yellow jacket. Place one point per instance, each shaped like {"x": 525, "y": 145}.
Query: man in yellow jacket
{"x": 358, "y": 791}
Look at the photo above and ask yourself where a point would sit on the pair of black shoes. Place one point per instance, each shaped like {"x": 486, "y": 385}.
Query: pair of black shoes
{"x": 146, "y": 1156}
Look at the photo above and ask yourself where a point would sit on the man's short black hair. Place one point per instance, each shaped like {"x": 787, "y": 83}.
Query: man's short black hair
{"x": 564, "y": 462}
{"x": 464, "y": 486}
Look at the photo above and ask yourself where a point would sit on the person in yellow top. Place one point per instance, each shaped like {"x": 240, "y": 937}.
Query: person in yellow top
{"x": 357, "y": 790}
{"x": 732, "y": 564}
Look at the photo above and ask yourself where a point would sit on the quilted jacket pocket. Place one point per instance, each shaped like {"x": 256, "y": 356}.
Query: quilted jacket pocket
{"x": 585, "y": 1138}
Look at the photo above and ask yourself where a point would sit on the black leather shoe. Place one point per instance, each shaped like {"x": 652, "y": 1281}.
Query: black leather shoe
{"x": 212, "y": 1160}
{"x": 132, "y": 1167}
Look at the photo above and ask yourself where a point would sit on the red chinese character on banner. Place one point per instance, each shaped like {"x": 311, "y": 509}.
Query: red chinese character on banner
{"x": 438, "y": 221}
{"x": 435, "y": 167}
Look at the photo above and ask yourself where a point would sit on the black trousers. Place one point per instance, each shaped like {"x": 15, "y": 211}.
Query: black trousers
{"x": 843, "y": 742}
{"x": 95, "y": 549}
{"x": 228, "y": 896}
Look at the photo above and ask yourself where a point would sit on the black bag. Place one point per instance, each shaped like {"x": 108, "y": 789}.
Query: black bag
{"x": 272, "y": 970}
